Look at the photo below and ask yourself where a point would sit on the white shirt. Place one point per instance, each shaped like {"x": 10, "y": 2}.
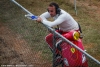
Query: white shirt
{"x": 64, "y": 21}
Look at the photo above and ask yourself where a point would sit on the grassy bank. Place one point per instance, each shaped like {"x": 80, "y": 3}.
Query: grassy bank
{"x": 34, "y": 33}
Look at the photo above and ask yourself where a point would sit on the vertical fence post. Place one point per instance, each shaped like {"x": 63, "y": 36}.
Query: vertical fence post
{"x": 75, "y": 6}
{"x": 54, "y": 48}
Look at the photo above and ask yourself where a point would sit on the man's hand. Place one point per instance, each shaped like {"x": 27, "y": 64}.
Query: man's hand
{"x": 39, "y": 19}
{"x": 32, "y": 17}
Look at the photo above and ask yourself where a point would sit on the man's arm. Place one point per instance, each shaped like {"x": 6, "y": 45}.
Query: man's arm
{"x": 58, "y": 21}
{"x": 43, "y": 16}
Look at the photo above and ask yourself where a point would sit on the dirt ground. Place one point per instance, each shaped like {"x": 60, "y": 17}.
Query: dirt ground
{"x": 15, "y": 51}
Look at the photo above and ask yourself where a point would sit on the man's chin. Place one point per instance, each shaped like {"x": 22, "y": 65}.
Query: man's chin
{"x": 52, "y": 15}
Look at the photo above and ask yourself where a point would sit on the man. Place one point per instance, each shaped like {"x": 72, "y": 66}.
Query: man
{"x": 65, "y": 22}
{"x": 62, "y": 19}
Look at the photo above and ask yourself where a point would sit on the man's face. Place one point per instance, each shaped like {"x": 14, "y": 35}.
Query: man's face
{"x": 52, "y": 11}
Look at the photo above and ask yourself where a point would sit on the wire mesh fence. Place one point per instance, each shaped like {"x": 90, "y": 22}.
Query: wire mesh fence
{"x": 22, "y": 41}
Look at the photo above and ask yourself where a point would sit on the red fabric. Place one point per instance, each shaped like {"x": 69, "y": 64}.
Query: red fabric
{"x": 73, "y": 56}
{"x": 49, "y": 40}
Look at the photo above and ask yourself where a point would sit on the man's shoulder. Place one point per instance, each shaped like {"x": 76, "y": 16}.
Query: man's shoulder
{"x": 63, "y": 11}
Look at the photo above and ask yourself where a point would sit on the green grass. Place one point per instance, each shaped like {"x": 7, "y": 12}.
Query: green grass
{"x": 35, "y": 33}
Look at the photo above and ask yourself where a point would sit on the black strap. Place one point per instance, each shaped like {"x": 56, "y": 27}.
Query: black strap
{"x": 80, "y": 28}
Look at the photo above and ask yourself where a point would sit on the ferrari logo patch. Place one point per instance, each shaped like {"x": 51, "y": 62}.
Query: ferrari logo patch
{"x": 73, "y": 50}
